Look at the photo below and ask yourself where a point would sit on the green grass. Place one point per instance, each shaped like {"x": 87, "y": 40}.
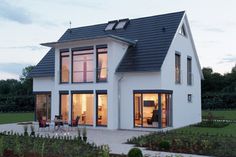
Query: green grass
{"x": 16, "y": 117}
{"x": 225, "y": 114}
{"x": 228, "y": 130}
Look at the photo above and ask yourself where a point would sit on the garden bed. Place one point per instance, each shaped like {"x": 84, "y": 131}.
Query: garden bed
{"x": 189, "y": 141}
{"x": 19, "y": 145}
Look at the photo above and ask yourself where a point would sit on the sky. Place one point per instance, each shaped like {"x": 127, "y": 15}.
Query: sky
{"x": 24, "y": 24}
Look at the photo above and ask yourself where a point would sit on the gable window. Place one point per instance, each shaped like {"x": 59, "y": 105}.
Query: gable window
{"x": 122, "y": 24}
{"x": 82, "y": 66}
{"x": 182, "y": 31}
{"x": 110, "y": 25}
{"x": 101, "y": 64}
{"x": 189, "y": 97}
{"x": 189, "y": 71}
{"x": 64, "y": 67}
{"x": 177, "y": 69}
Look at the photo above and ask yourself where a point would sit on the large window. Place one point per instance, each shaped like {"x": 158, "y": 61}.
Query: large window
{"x": 152, "y": 109}
{"x": 64, "y": 67}
{"x": 177, "y": 69}
{"x": 101, "y": 64}
{"x": 82, "y": 106}
{"x": 82, "y": 66}
{"x": 101, "y": 108}
{"x": 43, "y": 106}
{"x": 64, "y": 111}
{"x": 189, "y": 71}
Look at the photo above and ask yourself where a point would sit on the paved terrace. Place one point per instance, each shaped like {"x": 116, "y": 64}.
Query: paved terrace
{"x": 100, "y": 136}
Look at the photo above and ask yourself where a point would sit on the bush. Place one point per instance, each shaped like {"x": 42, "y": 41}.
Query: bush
{"x": 164, "y": 145}
{"x": 135, "y": 152}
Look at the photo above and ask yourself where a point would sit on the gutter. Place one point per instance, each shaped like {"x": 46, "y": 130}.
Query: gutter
{"x": 119, "y": 100}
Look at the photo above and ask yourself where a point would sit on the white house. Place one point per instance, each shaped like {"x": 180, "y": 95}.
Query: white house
{"x": 124, "y": 74}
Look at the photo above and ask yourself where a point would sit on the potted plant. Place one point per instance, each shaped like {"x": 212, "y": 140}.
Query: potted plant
{"x": 84, "y": 134}
{"x": 25, "y": 127}
{"x": 32, "y": 130}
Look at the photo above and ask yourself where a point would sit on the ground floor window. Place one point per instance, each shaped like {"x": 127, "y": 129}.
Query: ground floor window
{"x": 152, "y": 109}
{"x": 101, "y": 108}
{"x": 82, "y": 106}
{"x": 64, "y": 110}
{"x": 43, "y": 106}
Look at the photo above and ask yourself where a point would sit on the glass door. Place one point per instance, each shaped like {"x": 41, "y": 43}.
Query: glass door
{"x": 101, "y": 109}
{"x": 43, "y": 107}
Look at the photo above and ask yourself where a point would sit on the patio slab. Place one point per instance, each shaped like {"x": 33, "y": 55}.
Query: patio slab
{"x": 114, "y": 138}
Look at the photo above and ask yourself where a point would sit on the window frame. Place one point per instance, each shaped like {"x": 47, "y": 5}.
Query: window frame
{"x": 72, "y": 61}
{"x": 100, "y": 92}
{"x": 190, "y": 98}
{"x": 179, "y": 72}
{"x": 114, "y": 23}
{"x": 61, "y": 52}
{"x": 183, "y": 31}
{"x": 189, "y": 73}
{"x": 97, "y": 61}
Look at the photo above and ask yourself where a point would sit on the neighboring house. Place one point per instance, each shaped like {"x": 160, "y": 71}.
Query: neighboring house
{"x": 124, "y": 74}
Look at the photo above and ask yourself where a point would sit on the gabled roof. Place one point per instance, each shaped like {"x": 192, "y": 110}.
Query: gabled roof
{"x": 152, "y": 35}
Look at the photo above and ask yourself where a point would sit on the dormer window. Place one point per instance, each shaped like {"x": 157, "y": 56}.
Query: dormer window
{"x": 111, "y": 25}
{"x": 122, "y": 24}
{"x": 182, "y": 31}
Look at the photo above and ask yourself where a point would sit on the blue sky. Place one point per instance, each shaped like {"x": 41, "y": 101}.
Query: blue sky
{"x": 26, "y": 23}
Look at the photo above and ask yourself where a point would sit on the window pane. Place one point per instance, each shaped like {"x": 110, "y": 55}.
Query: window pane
{"x": 43, "y": 106}
{"x": 137, "y": 110}
{"x": 150, "y": 110}
{"x": 102, "y": 65}
{"x": 64, "y": 67}
{"x": 83, "y": 107}
{"x": 189, "y": 71}
{"x": 102, "y": 109}
{"x": 121, "y": 24}
{"x": 64, "y": 106}
{"x": 177, "y": 68}
{"x": 83, "y": 66}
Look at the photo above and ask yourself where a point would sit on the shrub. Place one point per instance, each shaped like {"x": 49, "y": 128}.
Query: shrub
{"x": 135, "y": 152}
{"x": 164, "y": 145}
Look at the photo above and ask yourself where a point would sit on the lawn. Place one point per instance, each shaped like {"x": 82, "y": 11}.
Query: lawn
{"x": 16, "y": 117}
{"x": 228, "y": 130}
{"x": 225, "y": 114}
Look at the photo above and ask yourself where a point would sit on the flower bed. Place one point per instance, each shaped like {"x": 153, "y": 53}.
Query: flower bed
{"x": 19, "y": 145}
{"x": 188, "y": 142}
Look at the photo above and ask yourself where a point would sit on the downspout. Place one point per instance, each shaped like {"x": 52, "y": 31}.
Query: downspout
{"x": 119, "y": 100}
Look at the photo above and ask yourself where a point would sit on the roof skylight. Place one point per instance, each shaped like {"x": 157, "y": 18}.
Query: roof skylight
{"x": 110, "y": 25}
{"x": 122, "y": 24}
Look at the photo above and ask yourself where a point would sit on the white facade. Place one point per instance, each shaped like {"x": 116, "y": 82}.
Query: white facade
{"x": 120, "y": 86}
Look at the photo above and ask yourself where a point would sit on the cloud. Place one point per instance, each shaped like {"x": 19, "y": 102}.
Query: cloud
{"x": 13, "y": 68}
{"x": 228, "y": 59}
{"x": 29, "y": 47}
{"x": 5, "y": 76}
{"x": 14, "y": 13}
{"x": 218, "y": 30}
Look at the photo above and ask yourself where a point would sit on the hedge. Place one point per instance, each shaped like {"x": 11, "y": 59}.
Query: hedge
{"x": 16, "y": 103}
{"x": 219, "y": 101}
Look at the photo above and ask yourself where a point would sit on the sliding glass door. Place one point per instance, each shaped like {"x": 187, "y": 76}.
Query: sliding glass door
{"x": 101, "y": 119}
{"x": 43, "y": 106}
{"x": 64, "y": 110}
{"x": 152, "y": 110}
{"x": 82, "y": 106}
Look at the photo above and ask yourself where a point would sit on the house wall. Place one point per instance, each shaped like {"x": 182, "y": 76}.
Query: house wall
{"x": 116, "y": 50}
{"x": 129, "y": 83}
{"x": 184, "y": 112}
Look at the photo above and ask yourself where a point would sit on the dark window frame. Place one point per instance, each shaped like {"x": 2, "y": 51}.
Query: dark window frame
{"x": 189, "y": 71}
{"x": 100, "y": 92}
{"x": 190, "y": 98}
{"x": 79, "y": 92}
{"x": 159, "y": 92}
{"x": 62, "y": 56}
{"x": 97, "y": 60}
{"x": 72, "y": 61}
{"x": 60, "y": 94}
{"x": 177, "y": 73}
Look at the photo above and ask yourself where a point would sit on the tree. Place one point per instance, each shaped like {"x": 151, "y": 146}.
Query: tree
{"x": 26, "y": 81}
